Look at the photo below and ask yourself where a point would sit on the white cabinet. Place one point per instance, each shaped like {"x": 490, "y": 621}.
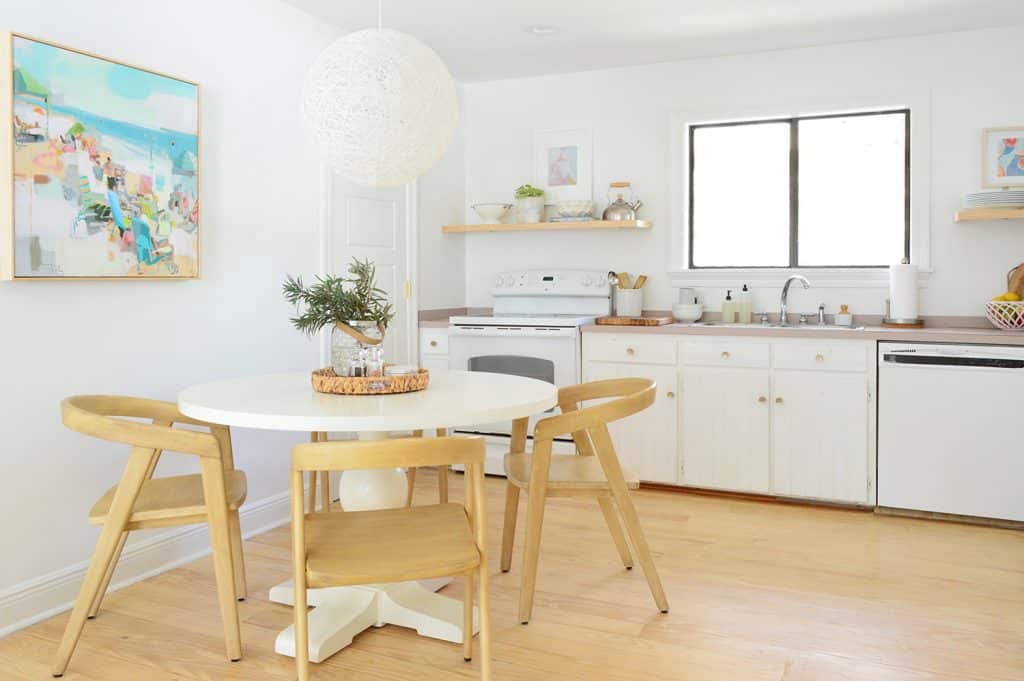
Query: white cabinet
{"x": 646, "y": 442}
{"x": 726, "y": 438}
{"x": 820, "y": 435}
{"x": 434, "y": 347}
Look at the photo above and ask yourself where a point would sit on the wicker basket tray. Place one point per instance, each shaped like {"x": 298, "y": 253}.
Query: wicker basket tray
{"x": 1005, "y": 314}
{"x": 326, "y": 381}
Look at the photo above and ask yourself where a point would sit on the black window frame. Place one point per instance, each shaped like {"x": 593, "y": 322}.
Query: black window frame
{"x": 794, "y": 189}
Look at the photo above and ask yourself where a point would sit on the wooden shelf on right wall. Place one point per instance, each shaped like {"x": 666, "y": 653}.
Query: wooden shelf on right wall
{"x": 978, "y": 214}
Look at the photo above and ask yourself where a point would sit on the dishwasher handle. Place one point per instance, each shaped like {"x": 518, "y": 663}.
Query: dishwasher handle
{"x": 952, "y": 360}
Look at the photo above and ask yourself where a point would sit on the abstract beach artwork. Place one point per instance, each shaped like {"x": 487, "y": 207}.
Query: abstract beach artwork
{"x": 1003, "y": 157}
{"x": 563, "y": 164}
{"x": 105, "y": 167}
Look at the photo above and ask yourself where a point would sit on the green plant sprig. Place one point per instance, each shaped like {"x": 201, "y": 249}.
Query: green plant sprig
{"x": 338, "y": 300}
{"x": 526, "y": 191}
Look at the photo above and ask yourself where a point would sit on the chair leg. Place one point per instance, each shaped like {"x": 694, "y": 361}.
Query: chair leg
{"x": 105, "y": 584}
{"x": 325, "y": 491}
{"x": 442, "y": 484}
{"x": 508, "y": 535}
{"x": 486, "y": 653}
{"x": 531, "y": 553}
{"x": 467, "y": 620}
{"x": 611, "y": 518}
{"x": 410, "y": 474}
{"x": 223, "y": 565}
{"x": 312, "y": 491}
{"x": 643, "y": 551}
{"x": 238, "y": 556}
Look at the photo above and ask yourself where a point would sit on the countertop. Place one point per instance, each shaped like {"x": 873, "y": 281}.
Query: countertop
{"x": 935, "y": 334}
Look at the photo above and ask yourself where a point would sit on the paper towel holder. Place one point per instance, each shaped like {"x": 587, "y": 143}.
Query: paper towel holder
{"x": 888, "y": 321}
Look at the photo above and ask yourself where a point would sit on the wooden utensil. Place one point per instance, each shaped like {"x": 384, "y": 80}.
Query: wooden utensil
{"x": 623, "y": 280}
{"x": 640, "y": 281}
{"x": 1015, "y": 280}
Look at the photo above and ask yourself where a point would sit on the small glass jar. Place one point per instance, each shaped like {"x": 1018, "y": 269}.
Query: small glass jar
{"x": 345, "y": 349}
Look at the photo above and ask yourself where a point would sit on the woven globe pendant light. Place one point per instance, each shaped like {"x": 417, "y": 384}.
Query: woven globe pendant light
{"x": 381, "y": 106}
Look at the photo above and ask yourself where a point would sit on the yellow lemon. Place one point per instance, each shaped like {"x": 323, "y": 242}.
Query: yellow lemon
{"x": 998, "y": 298}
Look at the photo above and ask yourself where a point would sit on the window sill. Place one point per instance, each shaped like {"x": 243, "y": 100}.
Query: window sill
{"x": 820, "y": 277}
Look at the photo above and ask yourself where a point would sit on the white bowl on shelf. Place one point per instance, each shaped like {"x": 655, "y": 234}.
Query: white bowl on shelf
{"x": 687, "y": 312}
{"x": 574, "y": 209}
{"x": 491, "y": 213}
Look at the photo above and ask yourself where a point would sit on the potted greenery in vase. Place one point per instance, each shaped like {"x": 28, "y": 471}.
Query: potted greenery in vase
{"x": 530, "y": 203}
{"x": 357, "y": 311}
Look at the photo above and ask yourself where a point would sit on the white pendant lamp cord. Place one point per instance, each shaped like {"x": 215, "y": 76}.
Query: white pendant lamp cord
{"x": 380, "y": 14}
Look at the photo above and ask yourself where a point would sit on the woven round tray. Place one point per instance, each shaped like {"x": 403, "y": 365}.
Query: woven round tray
{"x": 326, "y": 381}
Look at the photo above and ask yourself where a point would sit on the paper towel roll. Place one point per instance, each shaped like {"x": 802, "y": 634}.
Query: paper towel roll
{"x": 903, "y": 292}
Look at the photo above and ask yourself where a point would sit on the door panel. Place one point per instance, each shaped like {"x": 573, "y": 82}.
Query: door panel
{"x": 369, "y": 222}
{"x": 820, "y": 435}
{"x": 645, "y": 442}
{"x": 726, "y": 429}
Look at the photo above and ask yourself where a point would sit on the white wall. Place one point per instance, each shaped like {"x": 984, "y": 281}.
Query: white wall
{"x": 260, "y": 202}
{"x": 963, "y": 75}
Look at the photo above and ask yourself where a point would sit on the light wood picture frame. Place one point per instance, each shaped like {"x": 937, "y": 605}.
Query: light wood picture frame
{"x": 1002, "y": 157}
{"x": 100, "y": 175}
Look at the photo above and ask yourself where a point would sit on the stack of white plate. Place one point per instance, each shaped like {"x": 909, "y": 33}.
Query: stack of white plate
{"x": 1006, "y": 198}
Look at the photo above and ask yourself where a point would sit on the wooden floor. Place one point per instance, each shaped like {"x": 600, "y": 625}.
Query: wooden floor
{"x": 758, "y": 591}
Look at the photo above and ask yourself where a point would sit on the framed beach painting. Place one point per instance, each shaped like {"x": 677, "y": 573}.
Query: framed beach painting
{"x": 563, "y": 163}
{"x": 102, "y": 167}
{"x": 1003, "y": 157}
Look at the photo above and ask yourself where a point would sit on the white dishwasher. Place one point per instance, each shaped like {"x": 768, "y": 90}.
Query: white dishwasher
{"x": 951, "y": 429}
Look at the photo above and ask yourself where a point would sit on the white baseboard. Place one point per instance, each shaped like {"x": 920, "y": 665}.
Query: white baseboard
{"x": 43, "y": 597}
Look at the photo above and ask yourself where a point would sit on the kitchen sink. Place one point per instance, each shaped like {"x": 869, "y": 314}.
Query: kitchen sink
{"x": 776, "y": 325}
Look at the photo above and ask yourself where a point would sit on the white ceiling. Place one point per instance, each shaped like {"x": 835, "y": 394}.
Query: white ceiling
{"x": 487, "y": 39}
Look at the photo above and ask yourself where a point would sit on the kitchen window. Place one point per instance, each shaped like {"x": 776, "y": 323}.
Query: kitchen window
{"x": 801, "y": 192}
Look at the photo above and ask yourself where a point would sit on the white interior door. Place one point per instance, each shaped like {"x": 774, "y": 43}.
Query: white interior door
{"x": 374, "y": 223}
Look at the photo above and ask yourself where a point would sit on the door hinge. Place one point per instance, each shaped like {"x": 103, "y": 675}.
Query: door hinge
{"x": 408, "y": 289}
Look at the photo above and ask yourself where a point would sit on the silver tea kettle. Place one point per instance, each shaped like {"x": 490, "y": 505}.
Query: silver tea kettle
{"x": 624, "y": 205}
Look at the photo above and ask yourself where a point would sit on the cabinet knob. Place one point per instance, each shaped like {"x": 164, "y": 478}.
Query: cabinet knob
{"x": 819, "y": 358}
{"x": 778, "y": 400}
{"x": 762, "y": 399}
{"x": 433, "y": 344}
{"x": 670, "y": 394}
{"x": 630, "y": 351}
{"x": 725, "y": 355}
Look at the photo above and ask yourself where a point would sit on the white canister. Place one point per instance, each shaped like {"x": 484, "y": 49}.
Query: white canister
{"x": 629, "y": 302}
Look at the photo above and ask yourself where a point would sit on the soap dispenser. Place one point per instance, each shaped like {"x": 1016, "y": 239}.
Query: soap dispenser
{"x": 744, "y": 307}
{"x": 728, "y": 309}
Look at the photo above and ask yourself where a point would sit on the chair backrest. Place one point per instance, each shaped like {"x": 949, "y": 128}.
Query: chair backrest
{"x": 105, "y": 417}
{"x": 589, "y": 424}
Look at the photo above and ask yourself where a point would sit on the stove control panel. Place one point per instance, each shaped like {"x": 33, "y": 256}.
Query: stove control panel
{"x": 553, "y": 282}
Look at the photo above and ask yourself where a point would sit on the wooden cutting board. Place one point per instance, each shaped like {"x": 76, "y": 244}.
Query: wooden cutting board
{"x": 634, "y": 321}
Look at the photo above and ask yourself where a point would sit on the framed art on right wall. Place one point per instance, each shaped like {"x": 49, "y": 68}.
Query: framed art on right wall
{"x": 1002, "y": 157}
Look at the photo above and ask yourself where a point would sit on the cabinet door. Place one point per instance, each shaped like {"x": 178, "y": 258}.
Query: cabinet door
{"x": 645, "y": 442}
{"x": 820, "y": 435}
{"x": 726, "y": 429}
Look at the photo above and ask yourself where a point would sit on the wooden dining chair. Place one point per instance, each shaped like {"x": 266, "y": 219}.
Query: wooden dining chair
{"x": 593, "y": 471}
{"x": 140, "y": 501}
{"x": 442, "y": 474}
{"x": 391, "y": 545}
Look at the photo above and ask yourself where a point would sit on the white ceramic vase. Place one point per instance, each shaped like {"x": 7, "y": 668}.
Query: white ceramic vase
{"x": 530, "y": 209}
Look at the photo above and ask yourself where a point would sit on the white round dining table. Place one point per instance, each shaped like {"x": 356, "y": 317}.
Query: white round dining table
{"x": 288, "y": 402}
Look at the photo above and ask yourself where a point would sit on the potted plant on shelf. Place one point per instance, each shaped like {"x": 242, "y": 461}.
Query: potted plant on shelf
{"x": 357, "y": 311}
{"x": 530, "y": 203}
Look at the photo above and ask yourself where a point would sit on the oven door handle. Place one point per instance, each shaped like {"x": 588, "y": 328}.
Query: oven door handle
{"x": 510, "y": 332}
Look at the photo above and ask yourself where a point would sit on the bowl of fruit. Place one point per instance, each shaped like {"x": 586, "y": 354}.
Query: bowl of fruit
{"x": 1007, "y": 310}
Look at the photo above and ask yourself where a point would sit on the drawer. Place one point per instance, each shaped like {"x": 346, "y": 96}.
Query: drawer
{"x": 433, "y": 341}
{"x": 822, "y": 356}
{"x": 727, "y": 353}
{"x": 629, "y": 348}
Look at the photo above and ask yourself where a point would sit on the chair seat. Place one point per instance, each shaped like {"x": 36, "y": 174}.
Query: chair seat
{"x": 568, "y": 471}
{"x": 171, "y": 498}
{"x": 393, "y": 545}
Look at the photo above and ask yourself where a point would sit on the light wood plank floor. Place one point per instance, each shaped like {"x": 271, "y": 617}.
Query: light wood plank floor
{"x": 758, "y": 591}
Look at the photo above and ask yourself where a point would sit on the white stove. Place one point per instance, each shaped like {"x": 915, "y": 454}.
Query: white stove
{"x": 533, "y": 331}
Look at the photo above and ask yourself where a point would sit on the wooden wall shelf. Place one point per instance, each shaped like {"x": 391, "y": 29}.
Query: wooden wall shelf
{"x": 547, "y": 226}
{"x": 977, "y": 214}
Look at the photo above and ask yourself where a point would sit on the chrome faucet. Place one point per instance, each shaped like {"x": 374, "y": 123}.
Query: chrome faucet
{"x": 783, "y": 300}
